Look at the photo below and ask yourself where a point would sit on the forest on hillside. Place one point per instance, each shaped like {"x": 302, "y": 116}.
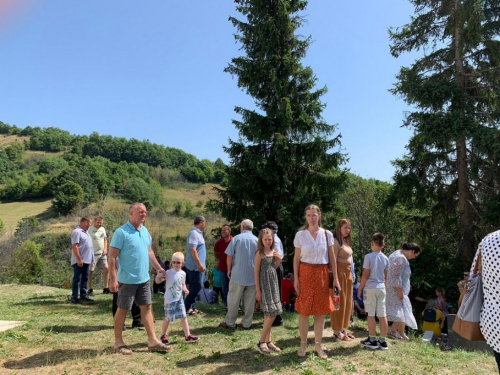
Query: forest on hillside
{"x": 78, "y": 170}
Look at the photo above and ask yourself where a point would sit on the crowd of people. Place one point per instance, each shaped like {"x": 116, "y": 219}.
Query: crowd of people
{"x": 249, "y": 271}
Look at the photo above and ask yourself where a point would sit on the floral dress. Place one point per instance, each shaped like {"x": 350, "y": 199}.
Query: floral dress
{"x": 271, "y": 302}
{"x": 399, "y": 276}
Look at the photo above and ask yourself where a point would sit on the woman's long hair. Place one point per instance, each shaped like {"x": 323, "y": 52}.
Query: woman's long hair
{"x": 338, "y": 233}
{"x": 260, "y": 245}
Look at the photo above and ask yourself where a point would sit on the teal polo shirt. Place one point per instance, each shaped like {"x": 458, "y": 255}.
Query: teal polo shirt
{"x": 134, "y": 247}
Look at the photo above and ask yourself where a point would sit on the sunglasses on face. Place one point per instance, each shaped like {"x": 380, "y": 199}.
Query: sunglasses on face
{"x": 176, "y": 262}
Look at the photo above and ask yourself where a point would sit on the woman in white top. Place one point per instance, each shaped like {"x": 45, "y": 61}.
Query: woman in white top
{"x": 313, "y": 258}
{"x": 489, "y": 248}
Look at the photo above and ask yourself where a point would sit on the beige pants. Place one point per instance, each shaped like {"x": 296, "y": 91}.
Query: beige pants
{"x": 233, "y": 303}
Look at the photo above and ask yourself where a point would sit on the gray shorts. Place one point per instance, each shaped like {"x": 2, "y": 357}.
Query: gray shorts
{"x": 128, "y": 293}
{"x": 100, "y": 261}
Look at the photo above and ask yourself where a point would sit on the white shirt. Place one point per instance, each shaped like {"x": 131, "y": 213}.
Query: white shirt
{"x": 314, "y": 251}
{"x": 173, "y": 285}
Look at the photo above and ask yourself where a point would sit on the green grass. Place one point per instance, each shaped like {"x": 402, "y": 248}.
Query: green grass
{"x": 60, "y": 338}
{"x": 11, "y": 213}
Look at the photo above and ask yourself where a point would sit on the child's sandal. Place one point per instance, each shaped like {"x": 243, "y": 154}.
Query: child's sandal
{"x": 263, "y": 349}
{"x": 273, "y": 347}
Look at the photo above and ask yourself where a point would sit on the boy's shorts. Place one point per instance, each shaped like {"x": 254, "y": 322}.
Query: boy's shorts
{"x": 175, "y": 310}
{"x": 100, "y": 261}
{"x": 374, "y": 300}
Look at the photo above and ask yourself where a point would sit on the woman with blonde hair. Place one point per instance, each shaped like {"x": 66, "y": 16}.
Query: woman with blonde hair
{"x": 313, "y": 259}
{"x": 340, "y": 319}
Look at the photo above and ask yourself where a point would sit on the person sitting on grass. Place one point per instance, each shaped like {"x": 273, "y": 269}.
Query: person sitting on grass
{"x": 175, "y": 284}
{"x": 373, "y": 281}
{"x": 433, "y": 318}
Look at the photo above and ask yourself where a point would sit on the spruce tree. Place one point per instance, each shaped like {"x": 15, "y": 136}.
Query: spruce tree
{"x": 286, "y": 156}
{"x": 452, "y": 162}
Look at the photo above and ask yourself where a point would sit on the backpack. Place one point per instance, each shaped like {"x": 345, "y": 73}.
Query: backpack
{"x": 430, "y": 315}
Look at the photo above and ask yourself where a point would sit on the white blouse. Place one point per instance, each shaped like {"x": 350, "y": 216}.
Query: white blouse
{"x": 490, "y": 314}
{"x": 312, "y": 250}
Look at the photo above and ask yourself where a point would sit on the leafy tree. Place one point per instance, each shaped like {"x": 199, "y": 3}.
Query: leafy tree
{"x": 284, "y": 158}
{"x": 454, "y": 89}
{"x": 25, "y": 264}
{"x": 68, "y": 197}
{"x": 138, "y": 190}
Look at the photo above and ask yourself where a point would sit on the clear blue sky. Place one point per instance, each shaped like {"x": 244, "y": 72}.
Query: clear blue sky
{"x": 154, "y": 70}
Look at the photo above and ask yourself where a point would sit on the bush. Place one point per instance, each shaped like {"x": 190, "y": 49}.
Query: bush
{"x": 26, "y": 265}
{"x": 68, "y": 198}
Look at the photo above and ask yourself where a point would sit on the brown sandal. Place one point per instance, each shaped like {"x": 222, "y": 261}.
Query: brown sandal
{"x": 341, "y": 336}
{"x": 349, "y": 335}
{"x": 273, "y": 347}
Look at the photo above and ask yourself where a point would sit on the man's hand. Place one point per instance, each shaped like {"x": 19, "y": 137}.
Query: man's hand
{"x": 201, "y": 268}
{"x": 79, "y": 262}
{"x": 113, "y": 286}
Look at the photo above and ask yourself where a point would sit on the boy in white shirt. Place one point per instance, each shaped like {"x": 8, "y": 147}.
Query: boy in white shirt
{"x": 174, "y": 303}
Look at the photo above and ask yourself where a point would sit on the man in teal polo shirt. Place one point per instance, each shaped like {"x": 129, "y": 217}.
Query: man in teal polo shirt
{"x": 131, "y": 245}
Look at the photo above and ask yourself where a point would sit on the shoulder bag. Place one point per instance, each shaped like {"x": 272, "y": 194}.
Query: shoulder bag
{"x": 467, "y": 320}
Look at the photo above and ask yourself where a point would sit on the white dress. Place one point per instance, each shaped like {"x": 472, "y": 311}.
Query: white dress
{"x": 399, "y": 277}
{"x": 490, "y": 314}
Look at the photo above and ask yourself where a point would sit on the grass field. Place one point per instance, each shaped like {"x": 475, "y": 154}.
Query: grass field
{"x": 61, "y": 338}
{"x": 6, "y": 140}
{"x": 11, "y": 213}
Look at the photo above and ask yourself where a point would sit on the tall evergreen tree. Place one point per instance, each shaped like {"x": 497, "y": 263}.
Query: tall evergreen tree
{"x": 286, "y": 156}
{"x": 455, "y": 90}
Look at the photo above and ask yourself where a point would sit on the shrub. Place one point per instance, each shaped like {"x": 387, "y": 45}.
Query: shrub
{"x": 68, "y": 198}
{"x": 26, "y": 265}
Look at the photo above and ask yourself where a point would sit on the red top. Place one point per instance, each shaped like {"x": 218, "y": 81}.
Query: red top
{"x": 286, "y": 291}
{"x": 219, "y": 249}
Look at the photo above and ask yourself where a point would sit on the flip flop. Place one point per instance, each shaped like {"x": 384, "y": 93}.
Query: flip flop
{"x": 124, "y": 350}
{"x": 160, "y": 348}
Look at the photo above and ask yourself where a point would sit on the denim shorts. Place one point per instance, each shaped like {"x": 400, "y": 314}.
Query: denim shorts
{"x": 128, "y": 293}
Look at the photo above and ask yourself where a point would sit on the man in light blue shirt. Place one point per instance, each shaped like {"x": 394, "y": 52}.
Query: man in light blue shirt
{"x": 195, "y": 261}
{"x": 131, "y": 245}
{"x": 240, "y": 271}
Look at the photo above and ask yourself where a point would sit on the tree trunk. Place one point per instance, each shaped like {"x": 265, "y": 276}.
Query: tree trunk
{"x": 466, "y": 245}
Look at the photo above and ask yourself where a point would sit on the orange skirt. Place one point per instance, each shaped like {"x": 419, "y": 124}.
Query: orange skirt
{"x": 314, "y": 298}
{"x": 340, "y": 319}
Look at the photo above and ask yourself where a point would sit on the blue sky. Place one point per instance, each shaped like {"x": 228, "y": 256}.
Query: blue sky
{"x": 154, "y": 70}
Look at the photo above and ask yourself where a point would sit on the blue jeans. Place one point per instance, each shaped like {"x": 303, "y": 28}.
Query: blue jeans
{"x": 80, "y": 275}
{"x": 195, "y": 282}
{"x": 224, "y": 281}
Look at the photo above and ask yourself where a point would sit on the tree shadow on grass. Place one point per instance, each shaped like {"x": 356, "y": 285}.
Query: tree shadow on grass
{"x": 58, "y": 356}
{"x": 74, "y": 329}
